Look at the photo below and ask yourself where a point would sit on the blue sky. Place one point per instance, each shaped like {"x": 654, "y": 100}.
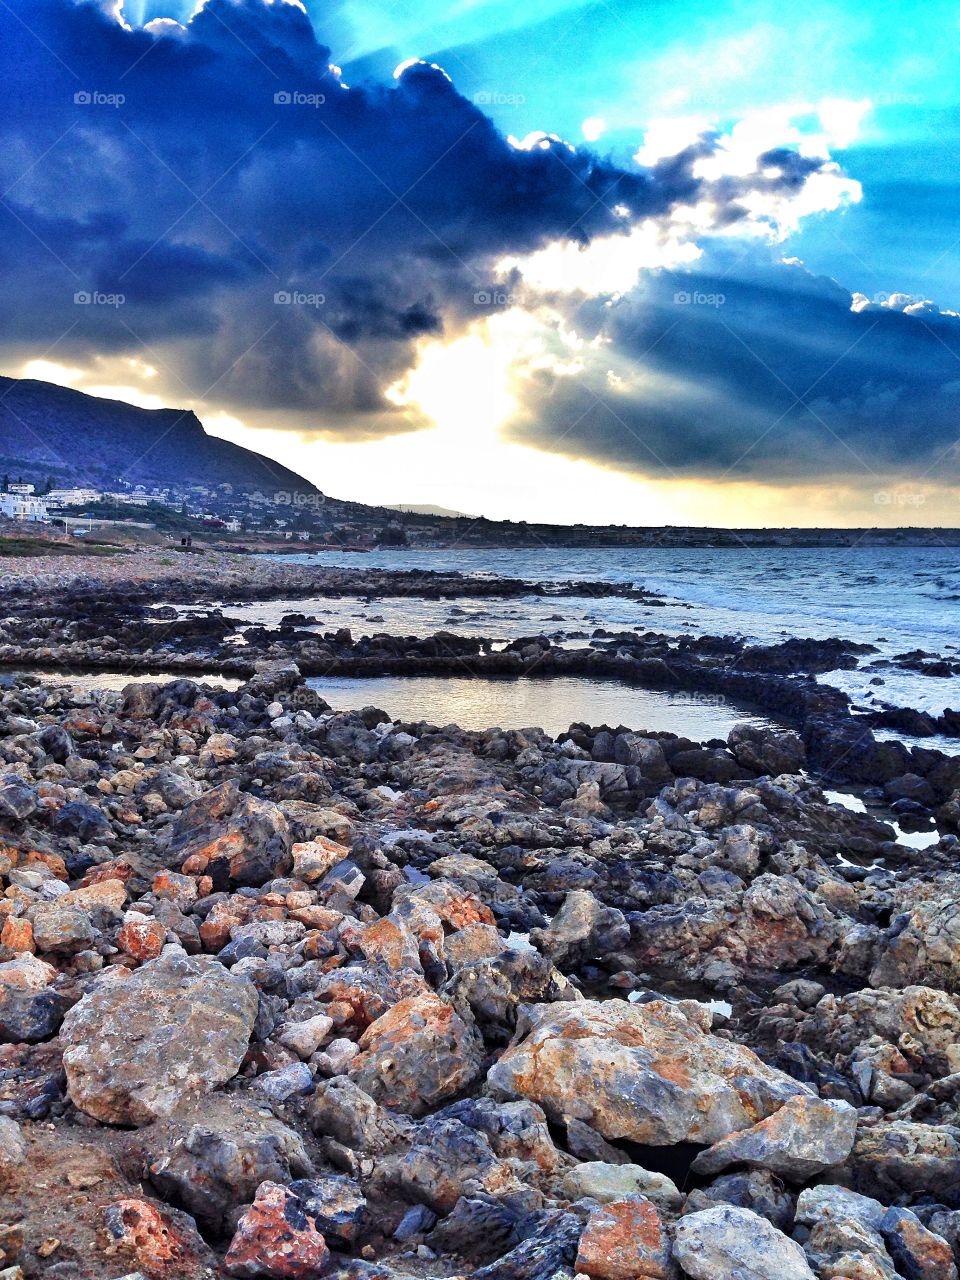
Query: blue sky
{"x": 682, "y": 260}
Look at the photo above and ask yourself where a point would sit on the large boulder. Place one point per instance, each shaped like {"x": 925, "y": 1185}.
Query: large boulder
{"x": 213, "y": 1153}
{"x": 418, "y": 1053}
{"x": 806, "y": 1136}
{"x": 650, "y": 1073}
{"x": 135, "y": 1047}
{"x": 227, "y": 829}
{"x": 727, "y": 1243}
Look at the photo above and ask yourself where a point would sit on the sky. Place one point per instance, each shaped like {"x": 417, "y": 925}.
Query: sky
{"x": 619, "y": 262}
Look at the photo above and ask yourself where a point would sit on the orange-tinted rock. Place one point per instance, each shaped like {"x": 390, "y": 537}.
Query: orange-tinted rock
{"x": 276, "y": 1240}
{"x": 418, "y": 1053}
{"x": 625, "y": 1240}
{"x": 143, "y": 939}
{"x": 390, "y": 940}
{"x": 647, "y": 1072}
{"x": 117, "y": 869}
{"x": 17, "y": 934}
{"x": 147, "y": 1238}
{"x": 312, "y": 859}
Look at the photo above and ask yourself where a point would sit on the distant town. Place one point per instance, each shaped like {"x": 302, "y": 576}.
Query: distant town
{"x": 246, "y": 517}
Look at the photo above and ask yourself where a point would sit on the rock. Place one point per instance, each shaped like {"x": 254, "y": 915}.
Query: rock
{"x": 142, "y": 938}
{"x": 844, "y": 1235}
{"x": 582, "y": 929}
{"x": 585, "y": 1143}
{"x": 159, "y": 1243}
{"x": 625, "y": 1240}
{"x": 416, "y": 1054}
{"x": 922, "y": 944}
{"x": 726, "y": 1243}
{"x": 755, "y": 1189}
{"x": 548, "y": 1252}
{"x": 901, "y": 1159}
{"x": 334, "y": 1203}
{"x": 805, "y": 1137}
{"x": 447, "y": 1160}
{"x": 922, "y": 1022}
{"x": 276, "y": 1239}
{"x": 28, "y": 1015}
{"x": 133, "y": 1048}
{"x": 312, "y": 859}
{"x": 918, "y": 1253}
{"x": 305, "y": 1038}
{"x": 248, "y": 837}
{"x": 595, "y": 1180}
{"x": 213, "y": 1153}
{"x": 62, "y": 929}
{"x": 339, "y": 1108}
{"x": 13, "y": 1147}
{"x": 646, "y": 1072}
{"x": 285, "y": 1082}
{"x": 767, "y": 750}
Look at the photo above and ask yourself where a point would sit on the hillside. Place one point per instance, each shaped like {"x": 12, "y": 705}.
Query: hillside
{"x": 46, "y": 430}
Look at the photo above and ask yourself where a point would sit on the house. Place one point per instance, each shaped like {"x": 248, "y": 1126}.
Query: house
{"x": 72, "y": 497}
{"x": 23, "y": 506}
{"x": 232, "y": 525}
{"x": 21, "y": 488}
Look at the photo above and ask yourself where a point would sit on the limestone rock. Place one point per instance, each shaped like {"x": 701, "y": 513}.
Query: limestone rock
{"x": 416, "y": 1054}
{"x": 625, "y": 1240}
{"x": 806, "y": 1136}
{"x": 609, "y": 1182}
{"x": 650, "y": 1073}
{"x": 725, "y": 1243}
{"x": 134, "y": 1048}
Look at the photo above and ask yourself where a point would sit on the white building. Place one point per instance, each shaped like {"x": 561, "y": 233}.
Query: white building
{"x": 72, "y": 497}
{"x": 233, "y": 526}
{"x": 23, "y": 506}
{"x": 20, "y": 488}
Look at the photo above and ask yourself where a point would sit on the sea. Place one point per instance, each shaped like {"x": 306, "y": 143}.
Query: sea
{"x": 898, "y": 599}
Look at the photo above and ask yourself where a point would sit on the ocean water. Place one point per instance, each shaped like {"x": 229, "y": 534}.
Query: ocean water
{"x": 896, "y": 598}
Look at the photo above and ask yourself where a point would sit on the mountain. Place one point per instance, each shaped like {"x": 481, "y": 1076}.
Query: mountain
{"x": 77, "y": 439}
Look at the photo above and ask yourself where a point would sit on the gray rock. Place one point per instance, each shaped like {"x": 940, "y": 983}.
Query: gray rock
{"x": 726, "y": 1243}
{"x": 607, "y": 1182}
{"x": 134, "y": 1047}
{"x": 583, "y": 929}
{"x": 213, "y": 1153}
{"x": 805, "y": 1137}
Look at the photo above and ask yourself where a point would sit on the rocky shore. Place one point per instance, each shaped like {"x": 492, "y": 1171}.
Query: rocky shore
{"x": 289, "y": 993}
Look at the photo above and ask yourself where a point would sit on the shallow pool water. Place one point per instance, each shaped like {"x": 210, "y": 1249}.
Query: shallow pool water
{"x": 552, "y": 703}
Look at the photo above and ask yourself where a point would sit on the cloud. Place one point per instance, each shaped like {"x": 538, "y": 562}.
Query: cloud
{"x": 286, "y": 241}
{"x": 753, "y": 369}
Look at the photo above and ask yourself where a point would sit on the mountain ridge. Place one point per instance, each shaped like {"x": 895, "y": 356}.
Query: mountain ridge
{"x": 80, "y": 439}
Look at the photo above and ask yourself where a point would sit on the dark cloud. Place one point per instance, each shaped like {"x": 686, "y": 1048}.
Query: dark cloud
{"x": 200, "y": 174}
{"x": 755, "y": 370}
